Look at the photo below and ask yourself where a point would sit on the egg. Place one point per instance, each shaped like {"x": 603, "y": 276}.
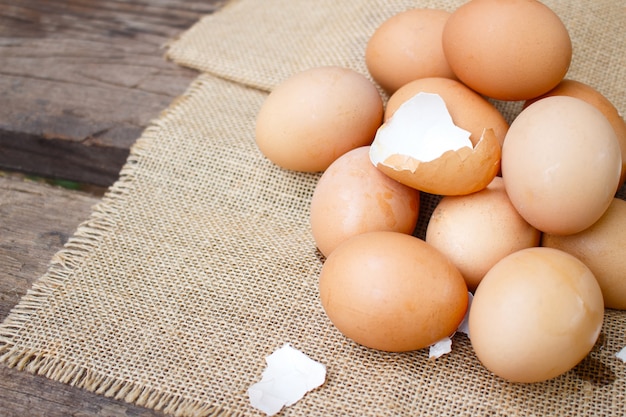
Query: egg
{"x": 475, "y": 231}
{"x": 561, "y": 164}
{"x": 592, "y": 96}
{"x": 535, "y": 315}
{"x": 353, "y": 197}
{"x": 407, "y": 46}
{"x": 601, "y": 248}
{"x": 317, "y": 115}
{"x": 468, "y": 109}
{"x": 507, "y": 50}
{"x": 391, "y": 291}
{"x": 421, "y": 146}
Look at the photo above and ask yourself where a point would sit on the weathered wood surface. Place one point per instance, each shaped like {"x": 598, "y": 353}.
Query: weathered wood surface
{"x": 35, "y": 221}
{"x": 80, "y": 80}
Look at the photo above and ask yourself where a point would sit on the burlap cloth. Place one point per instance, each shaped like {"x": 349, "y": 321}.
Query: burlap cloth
{"x": 199, "y": 261}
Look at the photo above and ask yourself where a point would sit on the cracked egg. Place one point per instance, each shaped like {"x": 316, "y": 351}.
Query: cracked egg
{"x": 420, "y": 146}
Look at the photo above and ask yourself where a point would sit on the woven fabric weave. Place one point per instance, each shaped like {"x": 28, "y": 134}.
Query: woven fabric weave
{"x": 262, "y": 43}
{"x": 199, "y": 261}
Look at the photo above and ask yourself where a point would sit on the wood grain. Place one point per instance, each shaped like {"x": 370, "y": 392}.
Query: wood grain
{"x": 80, "y": 80}
{"x": 35, "y": 221}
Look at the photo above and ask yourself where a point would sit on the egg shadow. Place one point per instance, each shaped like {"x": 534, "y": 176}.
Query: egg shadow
{"x": 593, "y": 370}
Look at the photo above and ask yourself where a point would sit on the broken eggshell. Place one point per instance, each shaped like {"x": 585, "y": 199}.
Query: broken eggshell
{"x": 420, "y": 146}
{"x": 289, "y": 375}
{"x": 468, "y": 109}
{"x": 444, "y": 346}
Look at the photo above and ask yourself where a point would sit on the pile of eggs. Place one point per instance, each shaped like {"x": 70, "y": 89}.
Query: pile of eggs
{"x": 527, "y": 230}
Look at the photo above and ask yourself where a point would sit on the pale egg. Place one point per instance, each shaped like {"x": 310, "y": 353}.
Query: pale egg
{"x": 477, "y": 230}
{"x": 602, "y": 248}
{"x": 592, "y": 96}
{"x": 317, "y": 115}
{"x": 561, "y": 164}
{"x": 535, "y": 315}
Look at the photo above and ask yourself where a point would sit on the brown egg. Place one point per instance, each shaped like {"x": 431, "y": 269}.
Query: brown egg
{"x": 601, "y": 247}
{"x": 316, "y": 116}
{"x": 454, "y": 173}
{"x": 468, "y": 109}
{"x": 353, "y": 197}
{"x": 406, "y": 47}
{"x": 507, "y": 50}
{"x": 592, "y": 96}
{"x": 561, "y": 164}
{"x": 535, "y": 315}
{"x": 391, "y": 291}
{"x": 475, "y": 231}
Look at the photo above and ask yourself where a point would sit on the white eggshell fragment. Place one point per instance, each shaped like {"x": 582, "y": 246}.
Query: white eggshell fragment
{"x": 289, "y": 375}
{"x": 421, "y": 128}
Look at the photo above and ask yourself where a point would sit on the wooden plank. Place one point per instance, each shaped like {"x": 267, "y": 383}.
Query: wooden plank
{"x": 26, "y": 395}
{"x": 35, "y": 221}
{"x": 80, "y": 80}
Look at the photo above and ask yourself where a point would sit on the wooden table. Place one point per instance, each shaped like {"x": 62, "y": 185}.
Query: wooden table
{"x": 79, "y": 81}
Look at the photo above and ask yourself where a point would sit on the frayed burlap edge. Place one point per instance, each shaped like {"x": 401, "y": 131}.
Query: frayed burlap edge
{"x": 67, "y": 262}
{"x": 76, "y": 376}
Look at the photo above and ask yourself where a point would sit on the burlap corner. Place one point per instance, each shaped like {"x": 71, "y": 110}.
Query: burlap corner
{"x": 199, "y": 262}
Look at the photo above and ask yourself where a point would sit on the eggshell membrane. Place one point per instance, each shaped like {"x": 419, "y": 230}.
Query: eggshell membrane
{"x": 561, "y": 164}
{"x": 573, "y": 88}
{"x": 535, "y": 315}
{"x": 468, "y": 109}
{"x": 507, "y": 50}
{"x": 601, "y": 248}
{"x": 476, "y": 231}
{"x": 353, "y": 197}
{"x": 460, "y": 172}
{"x": 317, "y": 115}
{"x": 393, "y": 292}
{"x": 407, "y": 46}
